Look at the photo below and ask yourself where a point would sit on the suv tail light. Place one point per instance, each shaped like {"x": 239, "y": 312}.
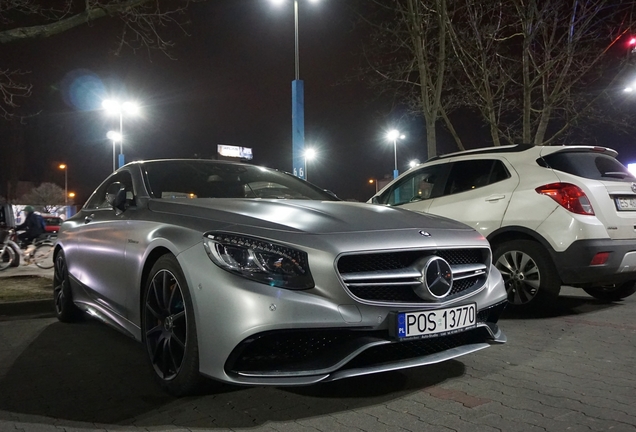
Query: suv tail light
{"x": 569, "y": 196}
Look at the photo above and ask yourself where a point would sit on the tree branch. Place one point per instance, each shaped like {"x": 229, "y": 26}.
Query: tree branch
{"x": 88, "y": 15}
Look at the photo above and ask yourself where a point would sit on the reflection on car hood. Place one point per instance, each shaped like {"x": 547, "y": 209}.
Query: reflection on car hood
{"x": 316, "y": 217}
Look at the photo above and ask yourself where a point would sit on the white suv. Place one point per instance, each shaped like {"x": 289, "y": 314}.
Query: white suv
{"x": 553, "y": 215}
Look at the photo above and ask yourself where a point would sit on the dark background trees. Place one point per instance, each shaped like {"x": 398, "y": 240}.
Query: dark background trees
{"x": 532, "y": 71}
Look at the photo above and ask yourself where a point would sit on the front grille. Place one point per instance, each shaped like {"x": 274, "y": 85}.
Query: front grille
{"x": 311, "y": 350}
{"x": 392, "y": 277}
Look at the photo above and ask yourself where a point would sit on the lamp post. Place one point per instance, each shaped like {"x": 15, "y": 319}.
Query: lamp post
{"x": 374, "y": 181}
{"x": 298, "y": 105}
{"x": 114, "y": 137}
{"x": 65, "y": 168}
{"x": 309, "y": 155}
{"x": 113, "y": 106}
{"x": 394, "y": 135}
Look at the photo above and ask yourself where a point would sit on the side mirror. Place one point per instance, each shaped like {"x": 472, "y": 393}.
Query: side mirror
{"x": 375, "y": 200}
{"x": 116, "y": 196}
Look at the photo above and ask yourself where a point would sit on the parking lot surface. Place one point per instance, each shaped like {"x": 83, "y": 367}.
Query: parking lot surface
{"x": 573, "y": 370}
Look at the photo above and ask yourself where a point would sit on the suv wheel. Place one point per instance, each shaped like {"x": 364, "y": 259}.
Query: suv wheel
{"x": 612, "y": 292}
{"x": 530, "y": 277}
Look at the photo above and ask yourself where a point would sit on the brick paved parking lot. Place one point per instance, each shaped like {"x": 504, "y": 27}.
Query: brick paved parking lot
{"x": 572, "y": 371}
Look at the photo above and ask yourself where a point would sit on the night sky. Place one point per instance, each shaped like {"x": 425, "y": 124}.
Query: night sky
{"x": 230, "y": 83}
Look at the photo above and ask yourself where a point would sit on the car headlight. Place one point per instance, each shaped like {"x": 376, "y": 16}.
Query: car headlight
{"x": 259, "y": 260}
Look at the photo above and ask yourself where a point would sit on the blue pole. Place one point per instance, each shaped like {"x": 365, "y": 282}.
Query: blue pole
{"x": 121, "y": 160}
{"x": 298, "y": 128}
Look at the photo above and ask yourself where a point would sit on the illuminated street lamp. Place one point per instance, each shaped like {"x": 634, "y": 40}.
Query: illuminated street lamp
{"x": 374, "y": 181}
{"x": 414, "y": 163}
{"x": 115, "y": 137}
{"x": 298, "y": 104}
{"x": 65, "y": 168}
{"x": 310, "y": 154}
{"x": 393, "y": 136}
{"x": 114, "y": 107}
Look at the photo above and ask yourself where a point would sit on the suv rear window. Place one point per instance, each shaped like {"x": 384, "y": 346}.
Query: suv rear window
{"x": 588, "y": 165}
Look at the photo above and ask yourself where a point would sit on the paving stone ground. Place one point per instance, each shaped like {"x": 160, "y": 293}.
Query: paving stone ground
{"x": 574, "y": 370}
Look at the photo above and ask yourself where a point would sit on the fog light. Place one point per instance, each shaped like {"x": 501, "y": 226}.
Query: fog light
{"x": 600, "y": 258}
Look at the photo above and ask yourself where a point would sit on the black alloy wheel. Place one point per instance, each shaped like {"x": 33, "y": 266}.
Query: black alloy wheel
{"x": 65, "y": 309}
{"x": 168, "y": 328}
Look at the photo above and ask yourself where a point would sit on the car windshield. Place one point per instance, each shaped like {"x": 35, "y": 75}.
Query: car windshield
{"x": 175, "y": 179}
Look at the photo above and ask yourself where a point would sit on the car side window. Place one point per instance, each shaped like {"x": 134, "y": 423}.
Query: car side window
{"x": 474, "y": 174}
{"x": 98, "y": 199}
{"x": 420, "y": 185}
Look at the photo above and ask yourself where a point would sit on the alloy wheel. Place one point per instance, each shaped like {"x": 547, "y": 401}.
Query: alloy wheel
{"x": 59, "y": 281}
{"x": 521, "y": 276}
{"x": 165, "y": 324}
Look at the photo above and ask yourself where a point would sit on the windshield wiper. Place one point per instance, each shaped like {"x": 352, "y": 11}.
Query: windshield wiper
{"x": 617, "y": 174}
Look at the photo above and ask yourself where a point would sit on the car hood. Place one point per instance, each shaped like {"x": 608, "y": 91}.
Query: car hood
{"x": 315, "y": 217}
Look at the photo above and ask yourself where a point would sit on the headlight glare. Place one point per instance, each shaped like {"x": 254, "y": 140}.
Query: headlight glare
{"x": 259, "y": 260}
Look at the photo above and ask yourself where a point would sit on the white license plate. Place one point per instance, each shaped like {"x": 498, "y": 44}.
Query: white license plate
{"x": 625, "y": 203}
{"x": 435, "y": 322}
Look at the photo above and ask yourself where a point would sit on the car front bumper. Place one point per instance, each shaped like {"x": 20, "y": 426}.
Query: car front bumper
{"x": 251, "y": 333}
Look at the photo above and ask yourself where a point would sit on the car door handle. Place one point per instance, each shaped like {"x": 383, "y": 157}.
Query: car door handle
{"x": 494, "y": 198}
{"x": 89, "y": 218}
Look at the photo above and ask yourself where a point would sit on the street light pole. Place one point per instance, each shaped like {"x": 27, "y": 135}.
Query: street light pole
{"x": 298, "y": 108}
{"x": 394, "y": 135}
{"x": 309, "y": 155}
{"x": 114, "y": 137}
{"x": 114, "y": 107}
{"x": 121, "y": 140}
{"x": 65, "y": 168}
{"x": 296, "y": 39}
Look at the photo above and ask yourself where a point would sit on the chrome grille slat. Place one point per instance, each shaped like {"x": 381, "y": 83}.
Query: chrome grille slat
{"x": 388, "y": 274}
{"x": 362, "y": 284}
{"x": 391, "y": 277}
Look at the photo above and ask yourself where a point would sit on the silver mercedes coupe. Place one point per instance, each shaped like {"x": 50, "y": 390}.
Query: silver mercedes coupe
{"x": 249, "y": 275}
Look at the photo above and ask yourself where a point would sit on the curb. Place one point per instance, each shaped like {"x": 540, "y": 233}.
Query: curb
{"x": 39, "y": 308}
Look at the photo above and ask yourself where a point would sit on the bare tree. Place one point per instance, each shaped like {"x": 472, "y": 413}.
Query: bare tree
{"x": 535, "y": 69}
{"x": 410, "y": 57}
{"x": 48, "y": 196}
{"x": 142, "y": 24}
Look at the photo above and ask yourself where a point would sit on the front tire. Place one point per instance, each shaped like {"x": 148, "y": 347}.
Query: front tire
{"x": 168, "y": 328}
{"x": 65, "y": 309}
{"x": 43, "y": 255}
{"x": 16, "y": 256}
{"x": 7, "y": 257}
{"x": 613, "y": 292}
{"x": 531, "y": 279}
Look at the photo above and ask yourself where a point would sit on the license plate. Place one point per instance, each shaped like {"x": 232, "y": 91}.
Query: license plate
{"x": 431, "y": 323}
{"x": 625, "y": 203}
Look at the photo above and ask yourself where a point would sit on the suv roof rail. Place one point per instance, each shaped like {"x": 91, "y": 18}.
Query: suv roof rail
{"x": 501, "y": 149}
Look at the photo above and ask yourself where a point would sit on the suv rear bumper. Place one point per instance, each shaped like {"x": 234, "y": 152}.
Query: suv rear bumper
{"x": 573, "y": 264}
